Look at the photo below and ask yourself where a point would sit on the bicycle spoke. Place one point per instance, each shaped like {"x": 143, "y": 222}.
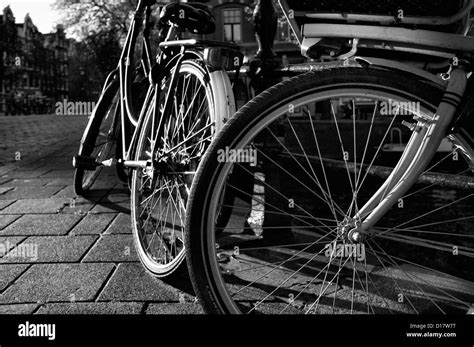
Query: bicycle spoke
{"x": 426, "y": 214}
{"x": 392, "y": 278}
{"x": 321, "y": 162}
{"x": 314, "y": 177}
{"x": 280, "y": 194}
{"x": 343, "y": 151}
{"x": 298, "y": 181}
{"x": 287, "y": 279}
{"x": 175, "y": 146}
{"x": 282, "y": 263}
{"x": 409, "y": 275}
{"x": 283, "y": 234}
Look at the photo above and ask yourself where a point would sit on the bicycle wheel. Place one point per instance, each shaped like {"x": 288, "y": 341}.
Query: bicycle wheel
{"x": 99, "y": 137}
{"x": 317, "y": 147}
{"x": 174, "y": 144}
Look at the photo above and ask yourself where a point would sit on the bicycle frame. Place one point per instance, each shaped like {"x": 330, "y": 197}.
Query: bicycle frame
{"x": 419, "y": 152}
{"x": 127, "y": 116}
{"x": 166, "y": 62}
{"x": 428, "y": 133}
{"x": 123, "y": 72}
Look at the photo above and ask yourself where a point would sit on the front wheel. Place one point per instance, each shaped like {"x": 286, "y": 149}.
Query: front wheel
{"x": 317, "y": 148}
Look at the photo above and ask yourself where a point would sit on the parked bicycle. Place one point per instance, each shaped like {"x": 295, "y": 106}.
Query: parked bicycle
{"x": 324, "y": 214}
{"x": 154, "y": 120}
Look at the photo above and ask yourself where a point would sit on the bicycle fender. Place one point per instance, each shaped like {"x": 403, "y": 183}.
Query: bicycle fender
{"x": 398, "y": 66}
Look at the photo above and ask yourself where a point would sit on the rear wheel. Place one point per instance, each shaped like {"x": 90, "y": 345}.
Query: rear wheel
{"x": 99, "y": 137}
{"x": 172, "y": 144}
{"x": 317, "y": 148}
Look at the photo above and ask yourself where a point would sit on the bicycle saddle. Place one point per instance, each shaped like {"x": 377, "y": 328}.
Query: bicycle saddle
{"x": 193, "y": 17}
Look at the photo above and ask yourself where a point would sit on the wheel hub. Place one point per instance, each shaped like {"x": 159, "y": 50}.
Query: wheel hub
{"x": 351, "y": 231}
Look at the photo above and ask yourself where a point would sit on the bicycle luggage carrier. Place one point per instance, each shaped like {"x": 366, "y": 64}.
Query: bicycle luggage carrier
{"x": 441, "y": 26}
{"x": 430, "y": 8}
{"x": 438, "y": 15}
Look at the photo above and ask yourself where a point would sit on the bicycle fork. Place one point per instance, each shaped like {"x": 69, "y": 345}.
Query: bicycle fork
{"x": 420, "y": 150}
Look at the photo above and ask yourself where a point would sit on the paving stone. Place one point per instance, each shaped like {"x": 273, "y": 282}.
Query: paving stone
{"x": 18, "y": 309}
{"x": 51, "y": 249}
{"x": 60, "y": 158}
{"x": 27, "y": 182}
{"x": 7, "y": 243}
{"x": 29, "y": 192}
{"x": 36, "y": 206}
{"x": 60, "y": 153}
{"x": 53, "y": 164}
{"x": 4, "y": 190}
{"x": 36, "y": 136}
{"x": 47, "y": 224}
{"x": 25, "y": 173}
{"x": 92, "y": 308}
{"x": 66, "y": 192}
{"x": 131, "y": 282}
{"x": 60, "y": 181}
{"x": 77, "y": 206}
{"x": 93, "y": 224}
{"x": 4, "y": 180}
{"x": 93, "y": 197}
{"x": 104, "y": 186}
{"x": 67, "y": 152}
{"x": 58, "y": 283}
{"x": 121, "y": 225}
{"x": 7, "y": 219}
{"x": 175, "y": 308}
{"x": 5, "y": 203}
{"x": 59, "y": 173}
{"x": 32, "y": 165}
{"x": 115, "y": 198}
{"x": 114, "y": 248}
{"x": 8, "y": 273}
{"x": 123, "y": 207}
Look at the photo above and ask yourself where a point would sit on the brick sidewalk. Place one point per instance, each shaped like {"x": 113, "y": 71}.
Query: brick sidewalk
{"x": 85, "y": 261}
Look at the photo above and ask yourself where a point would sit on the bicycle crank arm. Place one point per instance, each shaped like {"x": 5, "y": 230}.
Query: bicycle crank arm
{"x": 417, "y": 156}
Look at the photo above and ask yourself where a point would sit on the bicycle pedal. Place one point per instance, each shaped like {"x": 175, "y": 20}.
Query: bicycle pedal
{"x": 83, "y": 162}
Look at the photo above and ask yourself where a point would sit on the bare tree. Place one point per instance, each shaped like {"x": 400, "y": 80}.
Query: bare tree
{"x": 92, "y": 17}
{"x": 100, "y": 26}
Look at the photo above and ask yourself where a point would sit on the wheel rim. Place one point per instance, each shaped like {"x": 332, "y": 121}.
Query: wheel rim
{"x": 160, "y": 194}
{"x": 289, "y": 274}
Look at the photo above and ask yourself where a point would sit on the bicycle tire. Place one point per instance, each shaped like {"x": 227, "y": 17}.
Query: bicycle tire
{"x": 205, "y": 267}
{"x": 163, "y": 261}
{"x": 102, "y": 111}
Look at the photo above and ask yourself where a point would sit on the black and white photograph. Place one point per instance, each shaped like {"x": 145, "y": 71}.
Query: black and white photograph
{"x": 309, "y": 163}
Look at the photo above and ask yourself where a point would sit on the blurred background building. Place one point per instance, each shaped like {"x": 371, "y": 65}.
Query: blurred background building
{"x": 38, "y": 70}
{"x": 34, "y": 69}
{"x": 235, "y": 24}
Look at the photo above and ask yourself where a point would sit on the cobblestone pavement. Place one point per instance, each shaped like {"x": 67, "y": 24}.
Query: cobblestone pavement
{"x": 63, "y": 254}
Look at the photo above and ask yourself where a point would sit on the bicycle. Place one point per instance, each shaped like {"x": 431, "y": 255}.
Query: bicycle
{"x": 327, "y": 215}
{"x": 161, "y": 132}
